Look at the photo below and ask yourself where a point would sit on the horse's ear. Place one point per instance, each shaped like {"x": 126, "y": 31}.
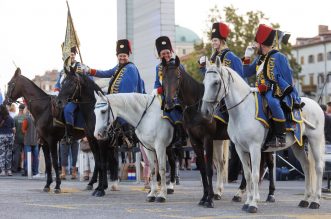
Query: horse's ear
{"x": 17, "y": 72}
{"x": 164, "y": 62}
{"x": 177, "y": 61}
{"x": 218, "y": 62}
{"x": 207, "y": 63}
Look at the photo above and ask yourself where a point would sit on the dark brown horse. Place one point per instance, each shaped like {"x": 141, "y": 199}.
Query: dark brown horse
{"x": 40, "y": 106}
{"x": 179, "y": 84}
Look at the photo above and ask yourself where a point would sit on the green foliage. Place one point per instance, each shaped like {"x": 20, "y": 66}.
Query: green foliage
{"x": 243, "y": 30}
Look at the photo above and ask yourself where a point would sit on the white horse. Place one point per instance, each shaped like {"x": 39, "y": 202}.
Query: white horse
{"x": 249, "y": 134}
{"x": 142, "y": 111}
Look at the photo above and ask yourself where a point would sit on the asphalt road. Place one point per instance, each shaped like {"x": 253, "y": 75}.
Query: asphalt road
{"x": 23, "y": 198}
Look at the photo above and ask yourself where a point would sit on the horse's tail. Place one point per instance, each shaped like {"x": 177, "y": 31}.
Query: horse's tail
{"x": 226, "y": 159}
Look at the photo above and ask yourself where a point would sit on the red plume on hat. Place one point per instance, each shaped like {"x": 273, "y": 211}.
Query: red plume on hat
{"x": 220, "y": 30}
{"x": 265, "y": 35}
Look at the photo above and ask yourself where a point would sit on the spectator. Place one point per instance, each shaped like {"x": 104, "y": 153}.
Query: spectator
{"x": 19, "y": 140}
{"x": 88, "y": 159}
{"x": 327, "y": 126}
{"x": 66, "y": 150}
{"x": 30, "y": 143}
{"x": 7, "y": 130}
{"x": 328, "y": 108}
{"x": 1, "y": 98}
{"x": 12, "y": 110}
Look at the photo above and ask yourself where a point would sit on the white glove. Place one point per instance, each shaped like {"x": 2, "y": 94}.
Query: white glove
{"x": 249, "y": 52}
{"x": 202, "y": 60}
{"x": 56, "y": 93}
{"x": 85, "y": 69}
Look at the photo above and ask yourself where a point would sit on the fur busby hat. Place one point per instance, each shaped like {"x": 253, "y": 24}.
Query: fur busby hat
{"x": 123, "y": 46}
{"x": 161, "y": 43}
{"x": 220, "y": 30}
{"x": 265, "y": 35}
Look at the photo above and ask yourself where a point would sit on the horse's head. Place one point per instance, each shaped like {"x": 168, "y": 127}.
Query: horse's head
{"x": 104, "y": 116}
{"x": 13, "y": 89}
{"x": 215, "y": 87}
{"x": 171, "y": 81}
{"x": 71, "y": 88}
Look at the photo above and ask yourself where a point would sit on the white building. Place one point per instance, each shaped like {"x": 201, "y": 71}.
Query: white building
{"x": 314, "y": 56}
{"x": 142, "y": 21}
{"x": 185, "y": 41}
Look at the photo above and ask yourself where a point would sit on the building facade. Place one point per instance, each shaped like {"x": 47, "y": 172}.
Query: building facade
{"x": 185, "y": 41}
{"x": 314, "y": 56}
{"x": 47, "y": 81}
{"x": 142, "y": 21}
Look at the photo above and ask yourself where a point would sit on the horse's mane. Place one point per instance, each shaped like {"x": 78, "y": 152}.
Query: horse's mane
{"x": 190, "y": 83}
{"x": 34, "y": 85}
{"x": 90, "y": 83}
{"x": 232, "y": 73}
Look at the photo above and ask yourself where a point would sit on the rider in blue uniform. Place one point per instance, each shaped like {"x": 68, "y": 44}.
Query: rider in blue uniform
{"x": 274, "y": 79}
{"x": 70, "y": 107}
{"x": 219, "y": 34}
{"x": 164, "y": 50}
{"x": 125, "y": 77}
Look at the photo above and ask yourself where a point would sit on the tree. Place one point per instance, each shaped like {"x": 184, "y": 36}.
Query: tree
{"x": 243, "y": 30}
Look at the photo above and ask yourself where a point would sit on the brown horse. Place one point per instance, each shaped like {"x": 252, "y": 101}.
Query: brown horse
{"x": 40, "y": 105}
{"x": 179, "y": 84}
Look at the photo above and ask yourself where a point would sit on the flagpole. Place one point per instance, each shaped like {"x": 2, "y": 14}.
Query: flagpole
{"x": 72, "y": 24}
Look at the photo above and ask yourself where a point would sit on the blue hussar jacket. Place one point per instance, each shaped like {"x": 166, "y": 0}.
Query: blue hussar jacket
{"x": 276, "y": 74}
{"x": 128, "y": 80}
{"x": 229, "y": 59}
{"x": 78, "y": 65}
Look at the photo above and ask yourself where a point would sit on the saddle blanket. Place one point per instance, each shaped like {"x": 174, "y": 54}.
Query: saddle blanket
{"x": 78, "y": 120}
{"x": 293, "y": 119}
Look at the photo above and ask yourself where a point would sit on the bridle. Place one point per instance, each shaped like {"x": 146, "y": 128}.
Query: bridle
{"x": 109, "y": 111}
{"x": 77, "y": 92}
{"x": 214, "y": 101}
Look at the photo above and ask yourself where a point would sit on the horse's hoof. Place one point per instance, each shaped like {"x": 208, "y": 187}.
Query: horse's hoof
{"x": 57, "y": 191}
{"x": 303, "y": 204}
{"x": 202, "y": 202}
{"x": 314, "y": 205}
{"x": 217, "y": 197}
{"x": 252, "y": 209}
{"x": 150, "y": 199}
{"x": 209, "y": 204}
{"x": 160, "y": 199}
{"x": 89, "y": 187}
{"x": 46, "y": 189}
{"x": 170, "y": 191}
{"x": 245, "y": 207}
{"x": 270, "y": 198}
{"x": 100, "y": 193}
{"x": 94, "y": 192}
{"x": 236, "y": 199}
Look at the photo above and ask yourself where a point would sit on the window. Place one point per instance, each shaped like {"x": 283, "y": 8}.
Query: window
{"x": 184, "y": 51}
{"x": 329, "y": 55}
{"x": 311, "y": 59}
{"x": 328, "y": 78}
{"x": 302, "y": 60}
{"x": 320, "y": 79}
{"x": 311, "y": 79}
{"x": 183, "y": 38}
{"x": 320, "y": 57}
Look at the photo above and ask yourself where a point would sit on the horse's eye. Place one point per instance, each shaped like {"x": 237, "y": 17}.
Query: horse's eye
{"x": 103, "y": 111}
{"x": 216, "y": 83}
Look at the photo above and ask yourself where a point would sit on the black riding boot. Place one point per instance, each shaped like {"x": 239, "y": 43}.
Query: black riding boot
{"x": 279, "y": 139}
{"x": 69, "y": 133}
{"x": 180, "y": 136}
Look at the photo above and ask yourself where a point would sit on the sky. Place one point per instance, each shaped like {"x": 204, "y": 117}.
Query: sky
{"x": 31, "y": 31}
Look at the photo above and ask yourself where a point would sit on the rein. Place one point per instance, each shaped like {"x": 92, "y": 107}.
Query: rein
{"x": 144, "y": 113}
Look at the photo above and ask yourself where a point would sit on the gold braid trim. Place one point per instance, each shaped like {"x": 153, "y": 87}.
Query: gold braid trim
{"x": 160, "y": 73}
{"x": 115, "y": 86}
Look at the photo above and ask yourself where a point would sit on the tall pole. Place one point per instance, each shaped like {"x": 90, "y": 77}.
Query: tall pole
{"x": 72, "y": 25}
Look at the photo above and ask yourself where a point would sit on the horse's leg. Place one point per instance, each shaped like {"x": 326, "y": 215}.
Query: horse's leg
{"x": 113, "y": 166}
{"x": 198, "y": 149}
{"x": 208, "y": 145}
{"x": 241, "y": 191}
{"x": 103, "y": 183}
{"x": 269, "y": 159}
{"x": 300, "y": 154}
{"x": 151, "y": 158}
{"x": 255, "y": 153}
{"x": 161, "y": 158}
{"x": 55, "y": 157}
{"x": 246, "y": 164}
{"x": 97, "y": 170}
{"x": 48, "y": 163}
{"x": 172, "y": 164}
{"x": 317, "y": 148}
{"x": 219, "y": 164}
